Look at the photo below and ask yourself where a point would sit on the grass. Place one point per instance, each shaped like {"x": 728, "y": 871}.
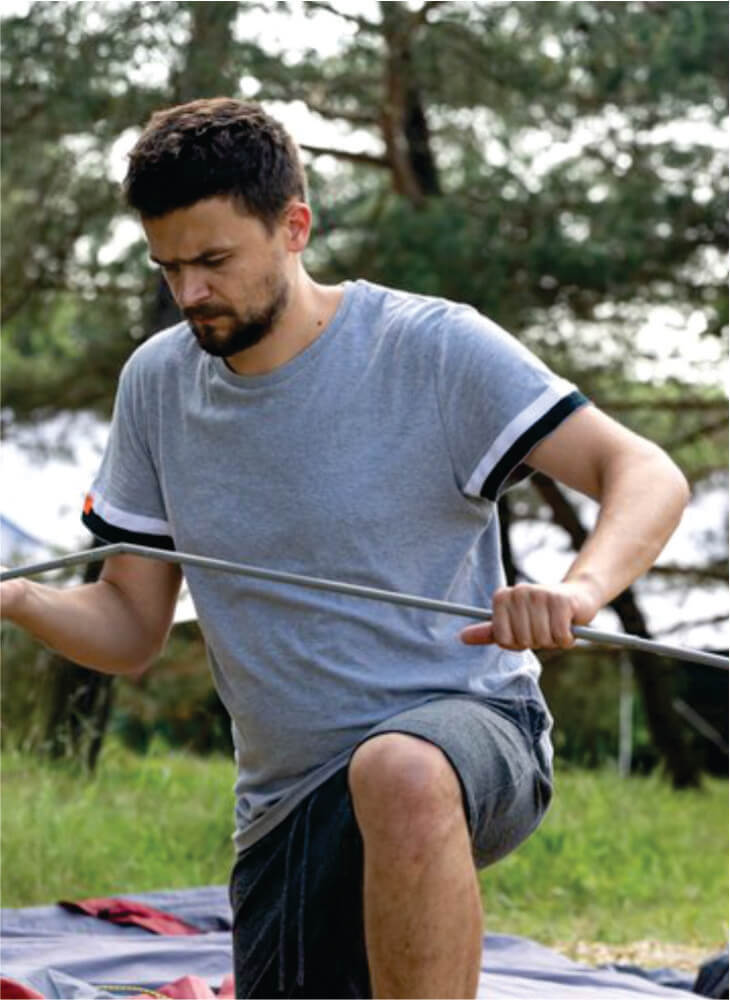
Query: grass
{"x": 154, "y": 822}
{"x": 615, "y": 860}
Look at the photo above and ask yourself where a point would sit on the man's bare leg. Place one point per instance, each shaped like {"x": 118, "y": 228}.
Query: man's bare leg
{"x": 423, "y": 915}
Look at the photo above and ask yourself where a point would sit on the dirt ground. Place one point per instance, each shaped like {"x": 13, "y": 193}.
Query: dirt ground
{"x": 646, "y": 954}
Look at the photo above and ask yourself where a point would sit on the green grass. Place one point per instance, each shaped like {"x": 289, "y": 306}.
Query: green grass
{"x": 614, "y": 861}
{"x": 154, "y": 822}
{"x": 618, "y": 860}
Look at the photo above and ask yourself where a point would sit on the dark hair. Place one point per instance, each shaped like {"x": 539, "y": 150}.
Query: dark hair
{"x": 214, "y": 147}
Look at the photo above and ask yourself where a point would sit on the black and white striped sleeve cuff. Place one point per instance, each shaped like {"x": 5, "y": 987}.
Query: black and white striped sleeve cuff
{"x": 500, "y": 466}
{"x": 112, "y": 524}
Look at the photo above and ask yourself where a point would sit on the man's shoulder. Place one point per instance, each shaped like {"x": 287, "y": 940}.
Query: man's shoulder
{"x": 166, "y": 351}
{"x": 432, "y": 324}
{"x": 416, "y": 312}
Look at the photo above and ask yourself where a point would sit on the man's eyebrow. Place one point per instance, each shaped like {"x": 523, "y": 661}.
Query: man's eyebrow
{"x": 201, "y": 258}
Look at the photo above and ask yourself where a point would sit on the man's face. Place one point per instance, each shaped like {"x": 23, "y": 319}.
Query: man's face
{"x": 226, "y": 272}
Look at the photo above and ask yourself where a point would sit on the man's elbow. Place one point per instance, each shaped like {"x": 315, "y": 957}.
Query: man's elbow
{"x": 668, "y": 484}
{"x": 136, "y": 659}
{"x": 684, "y": 488}
{"x": 678, "y": 484}
{"x": 149, "y": 654}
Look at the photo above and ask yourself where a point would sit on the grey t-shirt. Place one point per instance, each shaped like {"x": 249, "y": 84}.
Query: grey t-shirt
{"x": 375, "y": 456}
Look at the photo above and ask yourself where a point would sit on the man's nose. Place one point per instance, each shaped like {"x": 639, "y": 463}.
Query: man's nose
{"x": 191, "y": 287}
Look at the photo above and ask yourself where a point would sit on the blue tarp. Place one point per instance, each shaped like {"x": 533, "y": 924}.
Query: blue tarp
{"x": 64, "y": 954}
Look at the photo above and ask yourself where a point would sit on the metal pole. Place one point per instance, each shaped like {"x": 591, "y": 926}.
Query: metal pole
{"x": 353, "y": 590}
{"x": 625, "y": 715}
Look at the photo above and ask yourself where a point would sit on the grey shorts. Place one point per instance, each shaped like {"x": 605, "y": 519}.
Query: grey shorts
{"x": 497, "y": 749}
{"x": 297, "y": 893}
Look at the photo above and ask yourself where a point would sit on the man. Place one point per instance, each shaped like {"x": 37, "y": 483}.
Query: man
{"x": 365, "y": 434}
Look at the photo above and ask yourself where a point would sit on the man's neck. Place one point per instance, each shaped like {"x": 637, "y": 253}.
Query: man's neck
{"x": 305, "y": 318}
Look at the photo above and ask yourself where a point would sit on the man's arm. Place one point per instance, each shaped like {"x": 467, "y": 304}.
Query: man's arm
{"x": 117, "y": 625}
{"x": 641, "y": 493}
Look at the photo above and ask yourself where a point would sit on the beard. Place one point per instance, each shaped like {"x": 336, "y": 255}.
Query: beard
{"x": 245, "y": 330}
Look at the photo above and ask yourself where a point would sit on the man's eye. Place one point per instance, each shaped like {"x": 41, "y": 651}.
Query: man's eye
{"x": 215, "y": 262}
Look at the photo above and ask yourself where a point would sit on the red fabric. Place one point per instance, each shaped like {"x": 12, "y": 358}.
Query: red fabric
{"x": 228, "y": 988}
{"x": 194, "y": 988}
{"x": 124, "y": 911}
{"x": 11, "y": 989}
{"x": 185, "y": 988}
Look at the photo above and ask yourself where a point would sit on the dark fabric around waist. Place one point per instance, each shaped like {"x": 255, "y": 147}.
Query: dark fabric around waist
{"x": 297, "y": 904}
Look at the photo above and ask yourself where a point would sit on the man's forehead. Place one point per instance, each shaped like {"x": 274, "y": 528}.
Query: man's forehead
{"x": 208, "y": 252}
{"x": 198, "y": 230}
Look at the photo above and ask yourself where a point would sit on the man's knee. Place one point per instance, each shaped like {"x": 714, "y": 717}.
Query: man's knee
{"x": 400, "y": 782}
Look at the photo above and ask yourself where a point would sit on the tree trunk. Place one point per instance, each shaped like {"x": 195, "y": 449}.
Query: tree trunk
{"x": 504, "y": 512}
{"x": 198, "y": 76}
{"x": 208, "y": 67}
{"x": 403, "y": 118}
{"x": 81, "y": 699}
{"x": 654, "y": 675}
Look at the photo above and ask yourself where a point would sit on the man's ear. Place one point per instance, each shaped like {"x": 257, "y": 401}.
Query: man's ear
{"x": 298, "y": 225}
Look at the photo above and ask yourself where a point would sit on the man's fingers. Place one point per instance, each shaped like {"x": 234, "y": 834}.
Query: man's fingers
{"x": 527, "y": 616}
{"x": 477, "y": 635}
{"x": 514, "y": 618}
{"x": 560, "y": 626}
{"x": 539, "y": 631}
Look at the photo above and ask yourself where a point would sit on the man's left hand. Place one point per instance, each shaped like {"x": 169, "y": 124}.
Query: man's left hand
{"x": 532, "y": 616}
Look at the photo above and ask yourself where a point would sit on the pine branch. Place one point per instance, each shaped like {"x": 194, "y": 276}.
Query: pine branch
{"x": 421, "y": 16}
{"x": 715, "y": 571}
{"x": 691, "y": 436}
{"x": 362, "y": 22}
{"x": 685, "y": 403}
{"x": 696, "y": 623}
{"x": 333, "y": 114}
{"x": 345, "y": 154}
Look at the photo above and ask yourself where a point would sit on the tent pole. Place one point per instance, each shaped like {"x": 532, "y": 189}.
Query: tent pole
{"x": 354, "y": 590}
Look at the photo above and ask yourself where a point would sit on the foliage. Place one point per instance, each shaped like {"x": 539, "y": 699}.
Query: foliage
{"x": 76, "y": 78}
{"x": 560, "y": 166}
{"x": 174, "y": 702}
{"x": 24, "y": 680}
{"x": 613, "y": 861}
{"x": 583, "y": 689}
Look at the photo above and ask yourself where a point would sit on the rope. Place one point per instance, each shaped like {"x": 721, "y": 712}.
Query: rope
{"x": 129, "y": 989}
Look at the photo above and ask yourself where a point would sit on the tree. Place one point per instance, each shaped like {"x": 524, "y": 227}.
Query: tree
{"x": 556, "y": 165}
{"x": 593, "y": 236}
{"x": 44, "y": 275}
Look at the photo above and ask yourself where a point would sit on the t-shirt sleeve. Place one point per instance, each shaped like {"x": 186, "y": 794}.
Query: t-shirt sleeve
{"x": 498, "y": 400}
{"x": 125, "y": 501}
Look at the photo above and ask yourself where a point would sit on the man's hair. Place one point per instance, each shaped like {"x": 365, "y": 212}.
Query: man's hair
{"x": 217, "y": 147}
